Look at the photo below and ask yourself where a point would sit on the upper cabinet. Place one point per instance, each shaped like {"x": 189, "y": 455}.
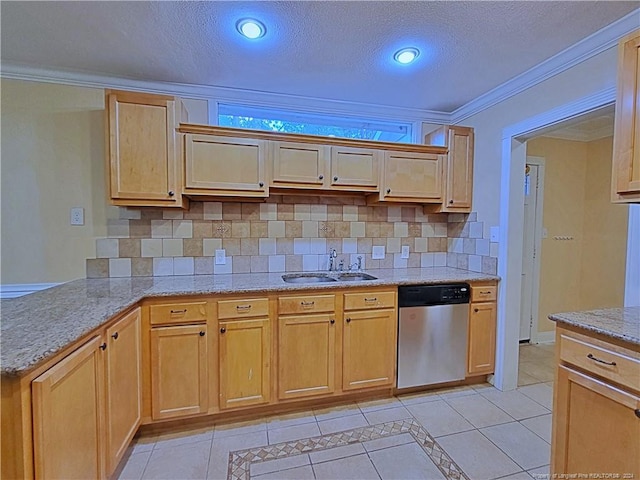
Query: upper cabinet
{"x": 457, "y": 178}
{"x": 411, "y": 177}
{"x": 225, "y": 166}
{"x": 299, "y": 165}
{"x": 625, "y": 183}
{"x": 142, "y": 149}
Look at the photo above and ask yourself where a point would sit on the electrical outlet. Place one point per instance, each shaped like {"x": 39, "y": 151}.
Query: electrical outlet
{"x": 77, "y": 216}
{"x": 221, "y": 258}
{"x": 405, "y": 251}
{"x": 377, "y": 253}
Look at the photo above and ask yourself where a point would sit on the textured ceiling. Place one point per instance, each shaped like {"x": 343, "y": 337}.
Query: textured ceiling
{"x": 324, "y": 49}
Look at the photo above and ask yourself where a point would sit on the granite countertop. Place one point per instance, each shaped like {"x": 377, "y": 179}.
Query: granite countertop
{"x": 619, "y": 323}
{"x": 37, "y": 326}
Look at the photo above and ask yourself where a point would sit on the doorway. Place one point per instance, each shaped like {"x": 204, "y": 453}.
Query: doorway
{"x": 532, "y": 234}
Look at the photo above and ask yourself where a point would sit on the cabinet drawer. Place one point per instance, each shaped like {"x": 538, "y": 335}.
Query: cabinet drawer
{"x": 600, "y": 360}
{"x": 251, "y": 307}
{"x": 178, "y": 313}
{"x": 484, "y": 293}
{"x": 363, "y": 301}
{"x": 306, "y": 304}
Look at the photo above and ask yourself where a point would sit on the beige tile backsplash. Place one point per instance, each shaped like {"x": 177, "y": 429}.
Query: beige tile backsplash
{"x": 284, "y": 235}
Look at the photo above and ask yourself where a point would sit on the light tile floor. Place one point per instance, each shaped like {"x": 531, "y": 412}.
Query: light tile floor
{"x": 486, "y": 433}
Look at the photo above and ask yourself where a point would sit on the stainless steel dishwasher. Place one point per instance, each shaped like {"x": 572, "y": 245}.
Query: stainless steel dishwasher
{"x": 432, "y": 333}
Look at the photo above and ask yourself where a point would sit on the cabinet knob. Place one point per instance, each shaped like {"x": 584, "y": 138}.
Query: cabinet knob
{"x": 171, "y": 193}
{"x": 321, "y": 177}
{"x": 201, "y": 333}
{"x": 103, "y": 346}
{"x": 638, "y": 412}
{"x": 335, "y": 179}
{"x": 450, "y": 201}
{"x": 476, "y": 310}
{"x": 388, "y": 190}
{"x": 115, "y": 336}
{"x": 261, "y": 184}
{"x": 348, "y": 319}
{"x": 332, "y": 321}
{"x": 222, "y": 330}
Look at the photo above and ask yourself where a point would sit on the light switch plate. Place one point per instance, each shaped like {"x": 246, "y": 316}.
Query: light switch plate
{"x": 495, "y": 234}
{"x": 221, "y": 258}
{"x": 377, "y": 253}
{"x": 405, "y": 251}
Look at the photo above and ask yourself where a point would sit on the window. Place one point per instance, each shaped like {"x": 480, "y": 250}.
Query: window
{"x": 292, "y": 122}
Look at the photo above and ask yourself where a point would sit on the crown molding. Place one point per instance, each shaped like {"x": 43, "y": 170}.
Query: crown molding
{"x": 592, "y": 45}
{"x": 226, "y": 95}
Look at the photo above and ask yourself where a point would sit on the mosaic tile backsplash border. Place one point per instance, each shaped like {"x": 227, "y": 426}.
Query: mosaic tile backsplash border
{"x": 286, "y": 234}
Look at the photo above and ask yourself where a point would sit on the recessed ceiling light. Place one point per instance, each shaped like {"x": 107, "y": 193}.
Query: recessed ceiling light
{"x": 251, "y": 28}
{"x": 406, "y": 55}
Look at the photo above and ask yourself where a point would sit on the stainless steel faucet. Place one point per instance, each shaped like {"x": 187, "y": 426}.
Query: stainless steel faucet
{"x": 358, "y": 264}
{"x": 332, "y": 254}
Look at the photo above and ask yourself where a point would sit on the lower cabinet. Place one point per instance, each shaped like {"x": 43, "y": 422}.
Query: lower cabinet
{"x": 123, "y": 379}
{"x": 592, "y": 415}
{"x": 306, "y": 355}
{"x": 369, "y": 349}
{"x": 179, "y": 371}
{"x": 68, "y": 416}
{"x": 244, "y": 362}
{"x": 481, "y": 350}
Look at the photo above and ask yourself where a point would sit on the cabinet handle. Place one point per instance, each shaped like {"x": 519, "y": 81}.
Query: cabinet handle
{"x": 243, "y": 307}
{"x": 596, "y": 359}
{"x": 171, "y": 193}
{"x": 173, "y": 312}
{"x": 374, "y": 299}
{"x": 201, "y": 333}
{"x": 261, "y": 184}
{"x": 307, "y": 304}
{"x": 335, "y": 179}
{"x": 115, "y": 336}
{"x": 332, "y": 321}
{"x": 320, "y": 177}
{"x": 348, "y": 319}
{"x": 388, "y": 190}
{"x": 638, "y": 412}
{"x": 485, "y": 293}
{"x": 103, "y": 346}
{"x": 476, "y": 310}
{"x": 222, "y": 330}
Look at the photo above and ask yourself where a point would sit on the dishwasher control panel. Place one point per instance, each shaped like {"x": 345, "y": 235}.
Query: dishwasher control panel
{"x": 424, "y": 295}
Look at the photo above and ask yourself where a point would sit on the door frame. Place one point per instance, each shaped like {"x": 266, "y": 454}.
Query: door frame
{"x": 513, "y": 160}
{"x": 534, "y": 335}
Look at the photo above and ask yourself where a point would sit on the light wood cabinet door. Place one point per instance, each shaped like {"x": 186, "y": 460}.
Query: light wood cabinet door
{"x": 124, "y": 386}
{"x": 482, "y": 339}
{"x": 225, "y": 166}
{"x": 369, "y": 349}
{"x": 142, "y": 150}
{"x": 179, "y": 371}
{"x": 595, "y": 427}
{"x": 306, "y": 355}
{"x": 68, "y": 423}
{"x": 245, "y": 362}
{"x": 354, "y": 168}
{"x": 626, "y": 139}
{"x": 411, "y": 177}
{"x": 299, "y": 165}
{"x": 458, "y": 183}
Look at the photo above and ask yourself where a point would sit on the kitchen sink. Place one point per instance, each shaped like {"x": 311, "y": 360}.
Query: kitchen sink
{"x": 354, "y": 277}
{"x": 307, "y": 278}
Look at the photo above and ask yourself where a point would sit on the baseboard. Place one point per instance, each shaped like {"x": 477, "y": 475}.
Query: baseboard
{"x": 19, "y": 289}
{"x": 544, "y": 337}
